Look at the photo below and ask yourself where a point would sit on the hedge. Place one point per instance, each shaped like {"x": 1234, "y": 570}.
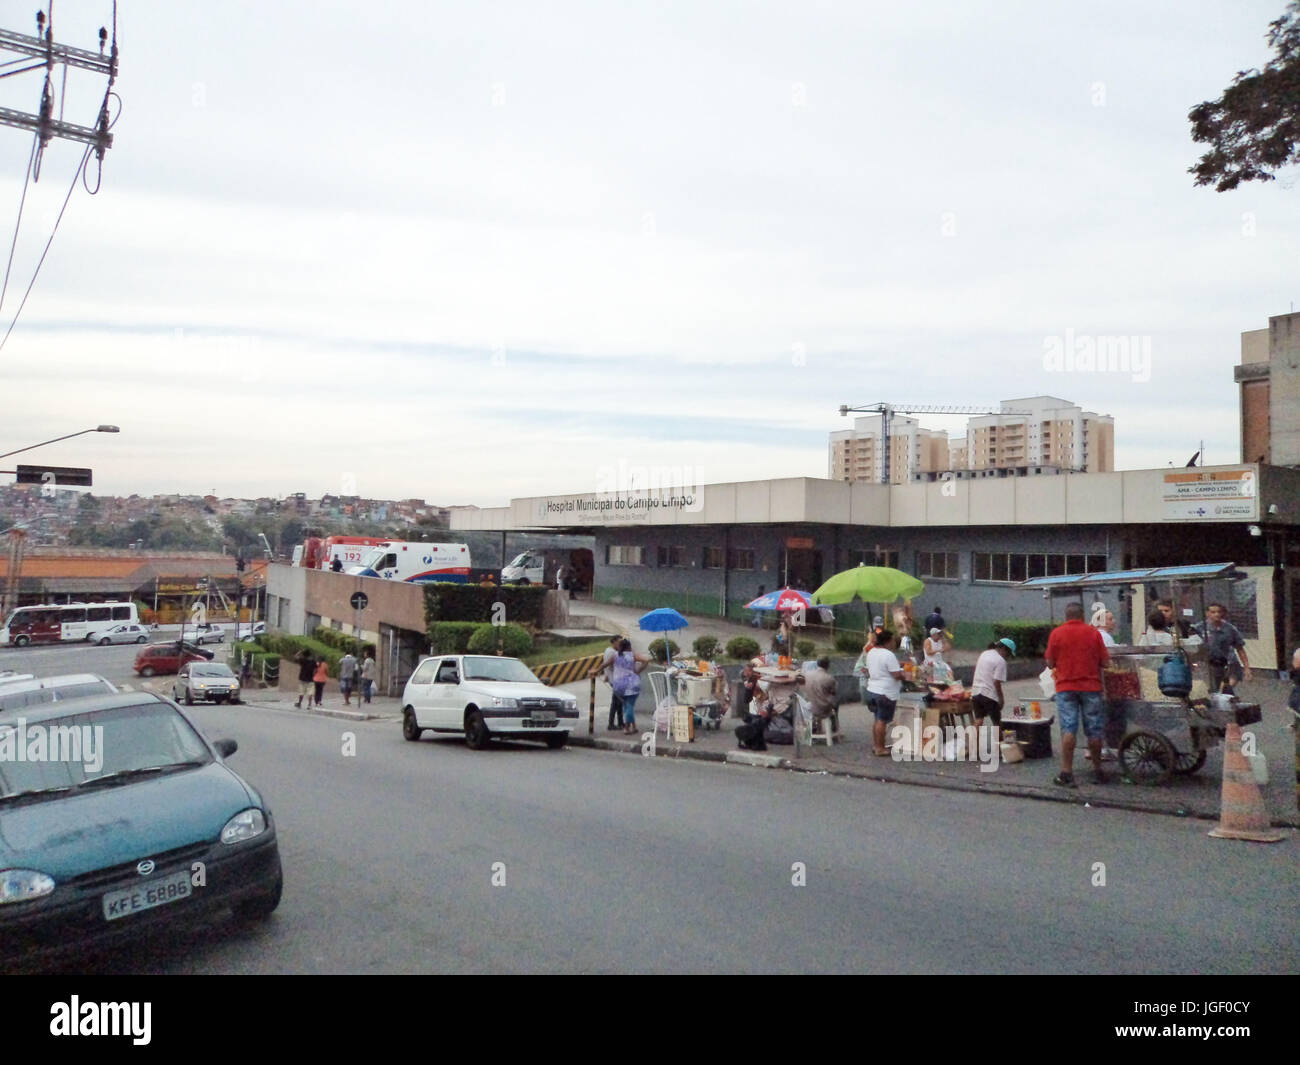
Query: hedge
{"x": 471, "y": 602}
{"x": 452, "y": 637}
{"x": 291, "y": 646}
{"x": 849, "y": 642}
{"x": 742, "y": 647}
{"x": 657, "y": 649}
{"x": 514, "y": 640}
{"x": 1030, "y": 636}
{"x": 339, "y": 640}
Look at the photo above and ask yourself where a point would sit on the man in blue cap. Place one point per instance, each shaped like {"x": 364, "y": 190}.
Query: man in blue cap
{"x": 990, "y": 675}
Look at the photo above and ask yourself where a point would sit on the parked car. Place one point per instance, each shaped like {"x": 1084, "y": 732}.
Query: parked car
{"x": 125, "y": 633}
{"x": 33, "y": 691}
{"x": 205, "y": 680}
{"x": 168, "y": 657}
{"x": 206, "y": 633}
{"x": 189, "y": 836}
{"x": 485, "y": 698}
{"x": 247, "y": 632}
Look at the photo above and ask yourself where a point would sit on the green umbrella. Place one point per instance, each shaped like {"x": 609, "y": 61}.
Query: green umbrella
{"x": 871, "y": 584}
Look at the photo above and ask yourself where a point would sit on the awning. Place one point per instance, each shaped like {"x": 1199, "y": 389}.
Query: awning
{"x": 1215, "y": 571}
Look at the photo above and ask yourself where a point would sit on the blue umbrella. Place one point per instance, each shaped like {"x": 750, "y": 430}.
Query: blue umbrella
{"x": 665, "y": 619}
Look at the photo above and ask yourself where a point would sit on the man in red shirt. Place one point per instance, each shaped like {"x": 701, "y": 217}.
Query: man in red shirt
{"x": 1076, "y": 654}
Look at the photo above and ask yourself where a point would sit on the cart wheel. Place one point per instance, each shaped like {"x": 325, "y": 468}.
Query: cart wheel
{"x": 1147, "y": 758}
{"x": 1189, "y": 763}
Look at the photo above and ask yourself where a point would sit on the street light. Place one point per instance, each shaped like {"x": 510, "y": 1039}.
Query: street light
{"x": 83, "y": 432}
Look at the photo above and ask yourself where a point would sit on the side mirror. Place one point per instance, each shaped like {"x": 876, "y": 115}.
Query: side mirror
{"x": 226, "y": 748}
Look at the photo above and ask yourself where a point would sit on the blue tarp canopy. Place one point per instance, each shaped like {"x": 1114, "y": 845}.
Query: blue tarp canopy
{"x": 1214, "y": 571}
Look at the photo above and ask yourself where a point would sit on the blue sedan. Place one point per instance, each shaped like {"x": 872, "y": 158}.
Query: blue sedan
{"x": 117, "y": 816}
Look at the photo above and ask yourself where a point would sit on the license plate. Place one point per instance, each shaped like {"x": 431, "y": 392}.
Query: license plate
{"x": 159, "y": 892}
{"x": 543, "y": 717}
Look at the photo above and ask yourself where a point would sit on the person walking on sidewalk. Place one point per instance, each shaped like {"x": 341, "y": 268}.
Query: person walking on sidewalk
{"x": 368, "y": 675}
{"x": 606, "y": 670}
{"x": 1076, "y": 655}
{"x": 347, "y": 674}
{"x": 306, "y": 670}
{"x": 319, "y": 678}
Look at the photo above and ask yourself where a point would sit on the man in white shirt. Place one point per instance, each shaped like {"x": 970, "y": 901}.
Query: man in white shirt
{"x": 986, "y": 686}
{"x": 884, "y": 682}
{"x": 606, "y": 669}
{"x": 1107, "y": 629}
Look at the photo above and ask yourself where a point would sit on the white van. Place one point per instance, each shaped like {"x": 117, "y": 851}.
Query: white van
{"x": 409, "y": 560}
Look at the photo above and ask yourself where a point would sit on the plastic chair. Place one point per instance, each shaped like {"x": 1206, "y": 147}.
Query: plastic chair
{"x": 664, "y": 703}
{"x": 807, "y": 723}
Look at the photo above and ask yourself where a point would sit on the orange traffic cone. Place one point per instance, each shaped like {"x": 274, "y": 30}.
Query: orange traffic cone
{"x": 1242, "y": 814}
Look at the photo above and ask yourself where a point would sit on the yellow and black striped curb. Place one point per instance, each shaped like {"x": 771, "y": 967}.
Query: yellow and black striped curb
{"x": 557, "y": 673}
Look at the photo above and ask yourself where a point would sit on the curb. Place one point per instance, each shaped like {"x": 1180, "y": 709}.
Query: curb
{"x": 346, "y": 715}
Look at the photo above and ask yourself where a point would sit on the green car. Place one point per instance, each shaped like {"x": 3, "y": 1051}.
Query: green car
{"x": 117, "y": 816}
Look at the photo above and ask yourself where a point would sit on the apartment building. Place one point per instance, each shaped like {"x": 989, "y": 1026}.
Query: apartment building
{"x": 857, "y": 454}
{"x": 1038, "y": 433}
{"x": 1041, "y": 431}
{"x": 1269, "y": 379}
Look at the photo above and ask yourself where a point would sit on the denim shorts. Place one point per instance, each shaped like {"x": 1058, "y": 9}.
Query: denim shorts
{"x": 1069, "y": 705}
{"x": 882, "y": 706}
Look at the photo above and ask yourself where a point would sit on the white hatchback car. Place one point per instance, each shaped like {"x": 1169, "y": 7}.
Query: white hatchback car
{"x": 206, "y": 633}
{"x": 119, "y": 634}
{"x": 484, "y": 698}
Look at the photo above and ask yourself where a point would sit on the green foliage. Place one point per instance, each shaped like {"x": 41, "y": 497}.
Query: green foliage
{"x": 1030, "y": 636}
{"x": 452, "y": 637}
{"x": 513, "y": 640}
{"x": 743, "y": 647}
{"x": 1253, "y": 129}
{"x": 705, "y": 646}
{"x": 340, "y": 640}
{"x": 849, "y": 642}
{"x": 657, "y": 649}
{"x": 470, "y": 602}
{"x": 804, "y": 648}
{"x": 260, "y": 658}
{"x": 291, "y": 646}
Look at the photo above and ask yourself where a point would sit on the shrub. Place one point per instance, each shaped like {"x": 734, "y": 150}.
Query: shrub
{"x": 514, "y": 639}
{"x": 657, "y": 648}
{"x": 742, "y": 647}
{"x": 470, "y": 602}
{"x": 849, "y": 642}
{"x": 804, "y": 648}
{"x": 705, "y": 646}
{"x": 1030, "y": 636}
{"x": 453, "y": 637}
{"x": 291, "y": 646}
{"x": 339, "y": 640}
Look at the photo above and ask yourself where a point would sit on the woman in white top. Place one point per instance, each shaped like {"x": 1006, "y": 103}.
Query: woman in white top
{"x": 1157, "y": 634}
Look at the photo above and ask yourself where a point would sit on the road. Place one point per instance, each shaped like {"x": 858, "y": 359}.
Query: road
{"x": 614, "y": 863}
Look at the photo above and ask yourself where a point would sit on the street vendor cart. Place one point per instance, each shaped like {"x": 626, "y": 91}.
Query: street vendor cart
{"x": 1167, "y": 726}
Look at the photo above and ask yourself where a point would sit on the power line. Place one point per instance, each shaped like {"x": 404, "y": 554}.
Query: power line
{"x": 27, "y": 174}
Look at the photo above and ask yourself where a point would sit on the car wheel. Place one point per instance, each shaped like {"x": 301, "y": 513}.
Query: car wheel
{"x": 142, "y": 639}
{"x": 557, "y": 741}
{"x": 261, "y": 907}
{"x": 147, "y": 671}
{"x": 476, "y": 731}
{"x": 21, "y": 641}
{"x": 410, "y": 730}
{"x": 105, "y": 642}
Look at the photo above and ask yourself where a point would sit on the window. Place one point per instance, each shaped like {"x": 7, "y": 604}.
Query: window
{"x": 1096, "y": 563}
{"x": 671, "y": 556}
{"x": 71, "y": 614}
{"x": 941, "y": 565}
{"x": 713, "y": 558}
{"x": 447, "y": 673}
{"x": 741, "y": 558}
{"x": 623, "y": 555}
{"x": 100, "y": 613}
{"x": 424, "y": 673}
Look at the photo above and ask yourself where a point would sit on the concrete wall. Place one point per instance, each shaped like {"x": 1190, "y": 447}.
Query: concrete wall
{"x": 1284, "y": 389}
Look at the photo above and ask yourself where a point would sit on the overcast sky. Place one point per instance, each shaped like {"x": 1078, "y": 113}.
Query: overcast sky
{"x": 470, "y": 252}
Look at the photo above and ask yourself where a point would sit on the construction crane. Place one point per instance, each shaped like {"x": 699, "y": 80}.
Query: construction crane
{"x": 888, "y": 410}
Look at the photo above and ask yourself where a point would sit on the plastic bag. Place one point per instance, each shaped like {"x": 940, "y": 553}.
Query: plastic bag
{"x": 1048, "y": 683}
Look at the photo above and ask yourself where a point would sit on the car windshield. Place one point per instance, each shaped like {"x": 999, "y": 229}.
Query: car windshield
{"x": 210, "y": 669}
{"x": 373, "y": 558}
{"x": 508, "y": 670}
{"x": 79, "y": 749}
{"x": 520, "y": 560}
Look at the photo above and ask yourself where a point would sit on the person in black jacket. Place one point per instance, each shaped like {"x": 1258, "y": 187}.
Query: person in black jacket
{"x": 306, "y": 670}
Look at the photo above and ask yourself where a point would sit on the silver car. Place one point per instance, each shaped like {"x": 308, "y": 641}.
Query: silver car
{"x": 201, "y": 681}
{"x": 206, "y": 634}
{"x": 119, "y": 634}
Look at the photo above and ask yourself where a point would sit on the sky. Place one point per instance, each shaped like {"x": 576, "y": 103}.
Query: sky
{"x": 466, "y": 253}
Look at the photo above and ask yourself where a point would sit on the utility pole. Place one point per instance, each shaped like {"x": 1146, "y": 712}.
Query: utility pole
{"x": 47, "y": 56}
